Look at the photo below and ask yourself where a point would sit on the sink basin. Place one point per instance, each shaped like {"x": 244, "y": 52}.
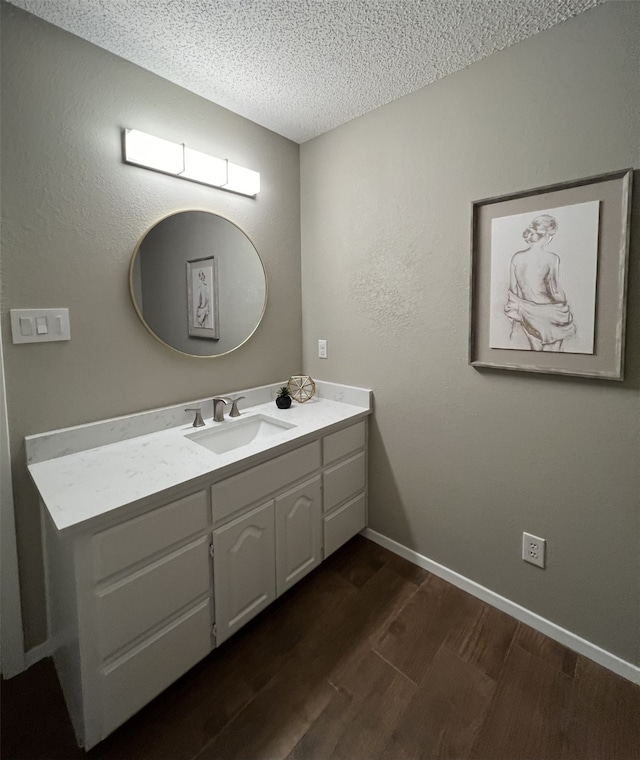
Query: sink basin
{"x": 233, "y": 434}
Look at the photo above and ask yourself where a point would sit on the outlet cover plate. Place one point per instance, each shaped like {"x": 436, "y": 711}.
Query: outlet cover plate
{"x": 534, "y": 550}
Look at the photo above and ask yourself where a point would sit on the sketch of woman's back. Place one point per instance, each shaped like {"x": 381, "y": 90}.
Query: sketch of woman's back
{"x": 536, "y": 276}
{"x": 536, "y": 302}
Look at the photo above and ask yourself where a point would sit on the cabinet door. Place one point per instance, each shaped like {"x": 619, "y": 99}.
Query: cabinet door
{"x": 243, "y": 569}
{"x": 298, "y": 533}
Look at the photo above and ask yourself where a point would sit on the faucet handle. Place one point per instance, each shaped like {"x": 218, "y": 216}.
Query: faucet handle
{"x": 198, "y": 422}
{"x": 235, "y": 412}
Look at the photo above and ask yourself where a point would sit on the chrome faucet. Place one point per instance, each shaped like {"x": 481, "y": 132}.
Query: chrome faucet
{"x": 218, "y": 407}
{"x": 198, "y": 421}
{"x": 235, "y": 412}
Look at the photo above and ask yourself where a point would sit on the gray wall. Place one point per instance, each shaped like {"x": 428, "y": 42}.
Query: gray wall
{"x": 72, "y": 216}
{"x": 463, "y": 461}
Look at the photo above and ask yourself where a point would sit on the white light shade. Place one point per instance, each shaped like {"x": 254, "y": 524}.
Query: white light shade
{"x": 161, "y": 155}
{"x": 153, "y": 152}
{"x": 204, "y": 168}
{"x": 241, "y": 180}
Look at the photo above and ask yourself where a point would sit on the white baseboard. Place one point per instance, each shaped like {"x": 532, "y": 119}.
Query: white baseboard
{"x": 561, "y": 635}
{"x": 39, "y": 652}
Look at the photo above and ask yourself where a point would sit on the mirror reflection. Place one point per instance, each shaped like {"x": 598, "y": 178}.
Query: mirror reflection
{"x": 198, "y": 283}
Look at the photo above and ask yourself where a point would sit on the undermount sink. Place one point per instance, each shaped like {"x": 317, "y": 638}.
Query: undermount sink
{"x": 233, "y": 434}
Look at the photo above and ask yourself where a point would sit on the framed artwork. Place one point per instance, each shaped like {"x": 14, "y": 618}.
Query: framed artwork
{"x": 202, "y": 298}
{"x": 549, "y": 278}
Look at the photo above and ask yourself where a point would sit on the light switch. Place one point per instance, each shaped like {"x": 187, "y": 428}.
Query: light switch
{"x": 39, "y": 325}
{"x": 26, "y": 326}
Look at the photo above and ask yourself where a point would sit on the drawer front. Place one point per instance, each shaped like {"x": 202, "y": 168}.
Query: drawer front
{"x": 244, "y": 489}
{"x": 130, "y": 542}
{"x": 137, "y": 678}
{"x": 131, "y": 607}
{"x": 343, "y": 481}
{"x": 338, "y": 445}
{"x": 343, "y": 524}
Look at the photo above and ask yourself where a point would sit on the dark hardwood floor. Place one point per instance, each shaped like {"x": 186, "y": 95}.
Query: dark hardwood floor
{"x": 369, "y": 657}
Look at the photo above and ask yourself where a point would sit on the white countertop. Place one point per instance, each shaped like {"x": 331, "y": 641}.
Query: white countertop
{"x": 87, "y": 484}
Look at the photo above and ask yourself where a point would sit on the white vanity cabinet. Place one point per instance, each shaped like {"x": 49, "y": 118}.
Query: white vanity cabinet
{"x": 276, "y": 540}
{"x": 141, "y": 594}
{"x": 344, "y": 484}
{"x": 285, "y": 527}
{"x": 130, "y": 610}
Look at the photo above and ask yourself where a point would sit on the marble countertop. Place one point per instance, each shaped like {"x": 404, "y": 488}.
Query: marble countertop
{"x": 84, "y": 485}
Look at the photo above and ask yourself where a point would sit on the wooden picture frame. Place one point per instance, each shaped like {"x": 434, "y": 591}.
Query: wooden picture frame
{"x": 202, "y": 298}
{"x": 549, "y": 278}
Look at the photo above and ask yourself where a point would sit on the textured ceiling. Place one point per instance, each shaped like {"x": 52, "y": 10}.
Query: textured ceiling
{"x": 302, "y": 67}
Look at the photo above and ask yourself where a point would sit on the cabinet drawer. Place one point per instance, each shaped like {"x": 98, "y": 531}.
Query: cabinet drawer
{"x": 338, "y": 445}
{"x": 343, "y": 524}
{"x": 343, "y": 481}
{"x": 131, "y": 607}
{"x": 248, "y": 487}
{"x": 134, "y": 540}
{"x": 137, "y": 678}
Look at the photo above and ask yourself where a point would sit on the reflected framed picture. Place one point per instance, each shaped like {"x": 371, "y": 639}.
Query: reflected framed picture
{"x": 202, "y": 298}
{"x": 549, "y": 278}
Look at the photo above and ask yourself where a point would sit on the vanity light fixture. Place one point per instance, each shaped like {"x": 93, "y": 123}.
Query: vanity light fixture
{"x": 150, "y": 152}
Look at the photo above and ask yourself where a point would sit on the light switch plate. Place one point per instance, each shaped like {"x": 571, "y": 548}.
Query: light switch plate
{"x": 40, "y": 325}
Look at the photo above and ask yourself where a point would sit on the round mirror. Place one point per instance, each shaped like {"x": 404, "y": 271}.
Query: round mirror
{"x": 198, "y": 283}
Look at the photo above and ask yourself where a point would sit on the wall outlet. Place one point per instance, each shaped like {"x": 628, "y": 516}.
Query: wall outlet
{"x": 322, "y": 349}
{"x": 534, "y": 549}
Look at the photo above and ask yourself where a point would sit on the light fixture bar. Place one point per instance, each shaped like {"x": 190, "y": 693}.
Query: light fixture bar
{"x": 241, "y": 180}
{"x": 203, "y": 168}
{"x": 150, "y": 152}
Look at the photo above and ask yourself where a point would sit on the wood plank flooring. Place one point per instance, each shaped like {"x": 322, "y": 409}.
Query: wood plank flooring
{"x": 369, "y": 657}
